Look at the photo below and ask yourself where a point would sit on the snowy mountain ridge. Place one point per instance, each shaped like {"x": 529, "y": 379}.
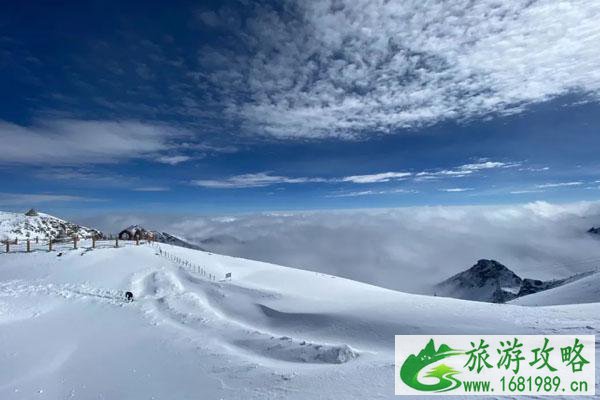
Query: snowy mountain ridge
{"x": 167, "y": 238}
{"x": 32, "y": 224}
{"x": 36, "y": 224}
{"x": 490, "y": 281}
{"x": 585, "y": 288}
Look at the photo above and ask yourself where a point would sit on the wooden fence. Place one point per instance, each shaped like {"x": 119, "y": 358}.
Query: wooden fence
{"x": 30, "y": 244}
{"x": 37, "y": 244}
{"x": 188, "y": 265}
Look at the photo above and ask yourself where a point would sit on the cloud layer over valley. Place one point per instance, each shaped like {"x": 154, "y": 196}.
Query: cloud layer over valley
{"x": 405, "y": 248}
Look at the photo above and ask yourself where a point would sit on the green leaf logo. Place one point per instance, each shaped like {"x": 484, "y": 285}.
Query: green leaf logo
{"x": 409, "y": 372}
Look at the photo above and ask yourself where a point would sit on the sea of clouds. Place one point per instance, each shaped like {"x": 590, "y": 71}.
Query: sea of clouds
{"x": 404, "y": 248}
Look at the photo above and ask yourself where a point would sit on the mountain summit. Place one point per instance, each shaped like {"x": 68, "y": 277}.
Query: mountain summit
{"x": 34, "y": 224}
{"x": 488, "y": 280}
{"x": 492, "y": 282}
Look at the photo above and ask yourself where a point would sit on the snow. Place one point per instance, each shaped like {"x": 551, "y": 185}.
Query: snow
{"x": 584, "y": 290}
{"x": 21, "y": 227}
{"x": 269, "y": 332}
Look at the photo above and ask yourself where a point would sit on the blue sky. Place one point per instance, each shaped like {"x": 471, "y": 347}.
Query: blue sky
{"x": 241, "y": 106}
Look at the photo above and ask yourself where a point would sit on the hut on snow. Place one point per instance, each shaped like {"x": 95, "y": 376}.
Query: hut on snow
{"x": 134, "y": 232}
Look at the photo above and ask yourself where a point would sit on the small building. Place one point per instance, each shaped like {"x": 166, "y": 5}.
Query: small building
{"x": 32, "y": 213}
{"x": 133, "y": 232}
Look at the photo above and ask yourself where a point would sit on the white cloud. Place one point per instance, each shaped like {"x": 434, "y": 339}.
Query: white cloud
{"x": 463, "y": 170}
{"x": 263, "y": 179}
{"x": 377, "y": 178}
{"x": 558, "y": 184}
{"x": 208, "y": 18}
{"x": 487, "y": 165}
{"x": 209, "y": 148}
{"x": 455, "y": 190}
{"x": 72, "y": 142}
{"x": 38, "y": 198}
{"x": 403, "y": 248}
{"x": 526, "y": 191}
{"x": 345, "y": 67}
{"x": 534, "y": 169}
{"x": 83, "y": 176}
{"x": 426, "y": 175}
{"x": 372, "y": 193}
{"x": 260, "y": 179}
{"x": 173, "y": 160}
{"x": 151, "y": 189}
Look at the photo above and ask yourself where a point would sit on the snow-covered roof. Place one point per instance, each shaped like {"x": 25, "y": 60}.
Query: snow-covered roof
{"x": 32, "y": 213}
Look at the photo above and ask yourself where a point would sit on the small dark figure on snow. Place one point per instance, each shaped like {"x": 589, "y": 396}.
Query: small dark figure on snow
{"x": 59, "y": 255}
{"x": 129, "y": 296}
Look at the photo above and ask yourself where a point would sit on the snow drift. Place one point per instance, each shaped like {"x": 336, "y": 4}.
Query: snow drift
{"x": 268, "y": 332}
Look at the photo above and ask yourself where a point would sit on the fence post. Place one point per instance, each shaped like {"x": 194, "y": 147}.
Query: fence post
{"x": 93, "y": 241}
{"x": 7, "y": 245}
{"x": 137, "y": 241}
{"x": 117, "y": 242}
{"x": 28, "y": 245}
{"x": 37, "y": 240}
{"x": 50, "y": 244}
{"x": 75, "y": 242}
{"x": 16, "y": 241}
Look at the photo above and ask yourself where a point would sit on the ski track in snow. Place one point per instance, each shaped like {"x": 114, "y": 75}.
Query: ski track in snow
{"x": 163, "y": 295}
{"x": 18, "y": 288}
{"x": 264, "y": 341}
{"x": 192, "y": 304}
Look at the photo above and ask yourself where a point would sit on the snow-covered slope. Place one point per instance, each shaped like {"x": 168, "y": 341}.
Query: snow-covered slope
{"x": 270, "y": 332}
{"x": 584, "y": 290}
{"x": 167, "y": 238}
{"x": 20, "y": 226}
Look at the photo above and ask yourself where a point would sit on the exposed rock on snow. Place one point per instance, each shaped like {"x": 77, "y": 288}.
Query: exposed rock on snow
{"x": 530, "y": 286}
{"x": 585, "y": 288}
{"x": 490, "y": 281}
{"x": 594, "y": 230}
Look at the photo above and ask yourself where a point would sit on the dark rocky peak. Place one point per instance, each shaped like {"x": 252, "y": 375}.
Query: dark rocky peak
{"x": 489, "y": 270}
{"x": 490, "y": 281}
